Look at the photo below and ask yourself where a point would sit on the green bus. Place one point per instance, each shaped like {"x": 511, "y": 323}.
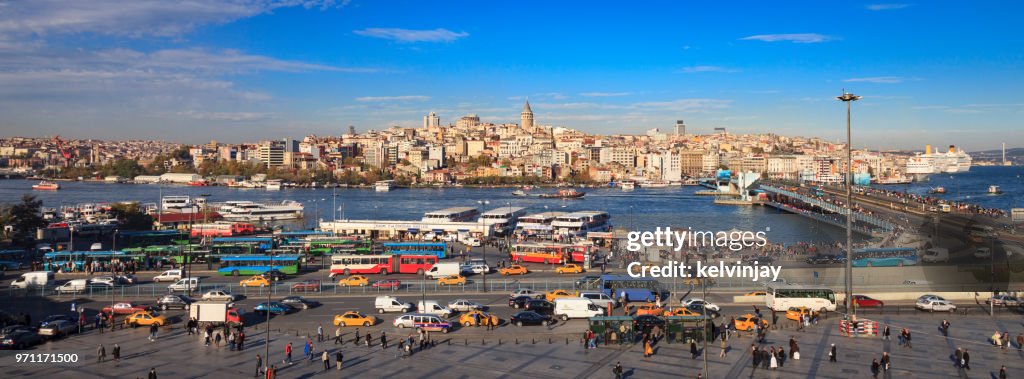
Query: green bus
{"x": 320, "y": 247}
{"x": 256, "y": 264}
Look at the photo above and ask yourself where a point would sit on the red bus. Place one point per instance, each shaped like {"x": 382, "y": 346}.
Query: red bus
{"x": 223, "y": 229}
{"x": 550, "y": 253}
{"x": 348, "y": 264}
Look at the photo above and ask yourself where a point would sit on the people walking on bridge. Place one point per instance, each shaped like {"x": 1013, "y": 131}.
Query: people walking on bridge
{"x": 339, "y": 357}
{"x": 617, "y": 370}
{"x": 1006, "y": 340}
{"x": 320, "y": 333}
{"x": 875, "y": 366}
{"x": 153, "y": 330}
{"x": 886, "y": 361}
{"x": 356, "y": 341}
{"x": 782, "y": 356}
{"x": 885, "y": 333}
{"x": 383, "y": 341}
{"x": 967, "y": 360}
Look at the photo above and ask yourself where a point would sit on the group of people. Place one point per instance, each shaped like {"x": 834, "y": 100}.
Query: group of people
{"x": 235, "y": 337}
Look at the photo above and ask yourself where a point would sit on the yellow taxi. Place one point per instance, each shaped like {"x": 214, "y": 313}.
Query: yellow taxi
{"x": 469, "y": 319}
{"x": 793, "y": 313}
{"x": 570, "y": 268}
{"x": 747, "y": 322}
{"x": 557, "y": 294}
{"x": 755, "y": 293}
{"x": 452, "y": 280}
{"x": 513, "y": 270}
{"x": 353, "y": 318}
{"x": 144, "y": 318}
{"x": 682, "y": 311}
{"x": 649, "y": 309}
{"x": 354, "y": 281}
{"x": 256, "y": 281}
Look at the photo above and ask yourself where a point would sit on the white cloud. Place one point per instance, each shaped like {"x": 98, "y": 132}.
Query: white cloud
{"x": 688, "y": 105}
{"x": 795, "y": 38}
{"x": 393, "y": 98}
{"x": 885, "y": 7}
{"x": 876, "y": 79}
{"x": 225, "y": 116}
{"x": 605, "y": 94}
{"x": 412, "y": 35}
{"x": 699, "y": 69}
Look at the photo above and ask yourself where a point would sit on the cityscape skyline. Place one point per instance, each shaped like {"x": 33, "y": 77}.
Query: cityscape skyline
{"x": 249, "y": 70}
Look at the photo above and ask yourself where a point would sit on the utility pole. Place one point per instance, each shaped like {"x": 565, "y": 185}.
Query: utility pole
{"x": 849, "y": 98}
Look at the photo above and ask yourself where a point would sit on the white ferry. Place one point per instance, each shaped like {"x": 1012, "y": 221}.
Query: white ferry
{"x": 581, "y": 223}
{"x": 539, "y": 223}
{"x": 628, "y": 185}
{"x": 180, "y": 204}
{"x": 273, "y": 185}
{"x": 453, "y": 214}
{"x": 251, "y": 211}
{"x": 503, "y": 219}
{"x": 384, "y": 185}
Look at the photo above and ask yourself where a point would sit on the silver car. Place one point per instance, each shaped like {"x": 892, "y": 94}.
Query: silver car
{"x": 219, "y": 295}
{"x": 58, "y": 328}
{"x": 463, "y": 305}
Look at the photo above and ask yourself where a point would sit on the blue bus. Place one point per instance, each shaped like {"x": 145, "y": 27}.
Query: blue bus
{"x": 11, "y": 259}
{"x": 76, "y": 260}
{"x": 885, "y": 257}
{"x": 264, "y": 243}
{"x": 440, "y": 249}
{"x": 622, "y": 287}
{"x": 256, "y": 264}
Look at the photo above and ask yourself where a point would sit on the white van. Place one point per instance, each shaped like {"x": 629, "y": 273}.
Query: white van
{"x": 935, "y": 254}
{"x": 566, "y": 308}
{"x": 73, "y": 286}
{"x": 599, "y": 299}
{"x": 33, "y": 279}
{"x": 443, "y": 269}
{"x": 168, "y": 276}
{"x": 184, "y": 285}
{"x": 432, "y": 307}
{"x": 96, "y": 246}
{"x": 390, "y": 304}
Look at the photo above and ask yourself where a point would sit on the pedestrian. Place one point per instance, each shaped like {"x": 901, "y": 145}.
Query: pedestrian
{"x": 693, "y": 350}
{"x": 832, "y": 354}
{"x": 259, "y": 366}
{"x": 337, "y": 336}
{"x": 306, "y": 348}
{"x": 617, "y": 370}
{"x": 1006, "y": 340}
{"x": 117, "y": 352}
{"x": 967, "y": 359}
{"x": 312, "y": 351}
{"x": 874, "y": 368}
{"x": 959, "y": 356}
{"x": 339, "y": 357}
{"x": 945, "y": 328}
{"x": 356, "y": 341}
{"x": 885, "y": 333}
{"x": 1020, "y": 341}
{"x": 327, "y": 360}
{"x": 320, "y": 333}
{"x": 241, "y": 341}
{"x": 1002, "y": 372}
{"x": 782, "y": 357}
{"x": 216, "y": 339}
{"x": 383, "y": 341}
{"x": 98, "y": 321}
{"x": 288, "y": 353}
{"x": 206, "y": 337}
{"x": 153, "y": 329}
{"x": 755, "y": 355}
{"x": 152, "y": 373}
{"x": 231, "y": 341}
{"x": 725, "y": 348}
{"x": 368, "y": 339}
{"x": 907, "y": 342}
{"x": 774, "y": 361}
{"x": 792, "y": 346}
{"x": 765, "y": 358}
{"x": 648, "y": 351}
{"x": 885, "y": 361}
{"x": 101, "y": 354}
{"x": 272, "y": 372}
{"x": 800, "y": 323}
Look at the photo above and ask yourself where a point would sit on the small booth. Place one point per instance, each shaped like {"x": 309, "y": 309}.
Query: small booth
{"x": 613, "y": 329}
{"x": 686, "y": 329}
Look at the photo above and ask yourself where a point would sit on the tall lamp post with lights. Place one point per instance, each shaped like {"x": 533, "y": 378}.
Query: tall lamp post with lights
{"x": 849, "y": 98}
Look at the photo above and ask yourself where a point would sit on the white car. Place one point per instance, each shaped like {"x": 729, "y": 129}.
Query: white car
{"x": 930, "y": 297}
{"x": 983, "y": 252}
{"x": 219, "y": 295}
{"x": 104, "y": 280}
{"x": 474, "y": 269}
{"x": 935, "y": 305}
{"x": 524, "y": 292}
{"x": 471, "y": 241}
{"x": 698, "y": 301}
{"x": 463, "y": 305}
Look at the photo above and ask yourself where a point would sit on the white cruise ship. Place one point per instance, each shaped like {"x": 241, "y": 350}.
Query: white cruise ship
{"x": 251, "y": 211}
{"x": 953, "y": 161}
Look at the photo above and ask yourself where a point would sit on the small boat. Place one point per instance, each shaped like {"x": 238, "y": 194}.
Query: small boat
{"x": 198, "y": 183}
{"x": 273, "y": 185}
{"x": 519, "y": 193}
{"x": 46, "y": 186}
{"x": 937, "y": 190}
{"x": 628, "y": 185}
{"x": 563, "y": 194}
{"x": 994, "y": 190}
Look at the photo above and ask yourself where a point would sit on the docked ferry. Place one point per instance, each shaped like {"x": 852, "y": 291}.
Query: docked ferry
{"x": 384, "y": 185}
{"x": 252, "y": 211}
{"x": 581, "y": 223}
{"x": 453, "y": 214}
{"x": 503, "y": 219}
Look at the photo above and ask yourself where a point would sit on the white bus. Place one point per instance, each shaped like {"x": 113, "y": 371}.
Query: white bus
{"x": 453, "y": 214}
{"x": 781, "y": 297}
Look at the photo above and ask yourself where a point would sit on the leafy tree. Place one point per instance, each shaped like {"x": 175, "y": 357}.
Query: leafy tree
{"x": 23, "y": 219}
{"x": 131, "y": 216}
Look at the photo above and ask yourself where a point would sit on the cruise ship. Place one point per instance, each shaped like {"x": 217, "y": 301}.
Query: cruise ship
{"x": 251, "y": 211}
{"x": 952, "y": 161}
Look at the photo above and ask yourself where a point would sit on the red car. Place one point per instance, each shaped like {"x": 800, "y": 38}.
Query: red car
{"x": 306, "y": 285}
{"x": 387, "y": 283}
{"x": 125, "y": 308}
{"x": 867, "y": 302}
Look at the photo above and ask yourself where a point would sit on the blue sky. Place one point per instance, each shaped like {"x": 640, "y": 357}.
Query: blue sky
{"x": 244, "y": 70}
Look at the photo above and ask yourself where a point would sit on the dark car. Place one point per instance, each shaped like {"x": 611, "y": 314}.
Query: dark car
{"x": 13, "y": 329}
{"x": 543, "y": 307}
{"x": 174, "y": 301}
{"x": 53, "y": 318}
{"x": 529, "y": 318}
{"x": 7, "y": 319}
{"x": 519, "y": 301}
{"x": 300, "y": 302}
{"x": 20, "y": 340}
{"x": 273, "y": 307}
{"x": 127, "y": 279}
{"x": 274, "y": 275}
{"x": 306, "y": 286}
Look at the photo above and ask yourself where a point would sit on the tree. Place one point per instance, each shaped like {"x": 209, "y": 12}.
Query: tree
{"x": 131, "y": 217}
{"x": 23, "y": 219}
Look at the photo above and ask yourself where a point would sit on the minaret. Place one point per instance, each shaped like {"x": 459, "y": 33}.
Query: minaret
{"x": 526, "y": 117}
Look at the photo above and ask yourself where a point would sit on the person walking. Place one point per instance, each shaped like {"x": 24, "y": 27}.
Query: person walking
{"x": 339, "y": 358}
{"x": 648, "y": 351}
{"x": 967, "y": 359}
{"x": 327, "y": 360}
{"x": 782, "y": 356}
{"x": 216, "y": 339}
{"x": 117, "y": 352}
{"x": 259, "y": 366}
{"x": 241, "y": 341}
{"x": 617, "y": 370}
{"x": 725, "y": 347}
{"x": 907, "y": 337}
{"x": 306, "y": 349}
{"x": 944, "y": 326}
{"x": 312, "y": 351}
{"x": 1002, "y": 372}
{"x": 153, "y": 329}
{"x": 231, "y": 341}
{"x": 1006, "y": 340}
{"x": 773, "y": 360}
{"x": 693, "y": 350}
{"x": 755, "y": 355}
{"x": 337, "y": 336}
{"x": 1020, "y": 341}
{"x": 885, "y": 361}
{"x": 320, "y": 333}
{"x": 288, "y": 353}
{"x": 101, "y": 354}
{"x": 152, "y": 373}
{"x": 874, "y": 368}
{"x": 765, "y": 359}
{"x": 272, "y": 372}
{"x": 206, "y": 337}
{"x": 368, "y": 338}
{"x": 885, "y": 333}
{"x": 383, "y": 341}
{"x": 356, "y": 341}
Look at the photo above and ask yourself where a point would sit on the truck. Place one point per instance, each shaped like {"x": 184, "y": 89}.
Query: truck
{"x": 215, "y": 313}
{"x": 575, "y": 307}
{"x": 443, "y": 269}
{"x": 33, "y": 279}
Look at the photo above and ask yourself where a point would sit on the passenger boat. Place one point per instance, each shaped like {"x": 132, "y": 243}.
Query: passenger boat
{"x": 894, "y": 180}
{"x": 628, "y": 185}
{"x": 384, "y": 185}
{"x": 563, "y": 194}
{"x": 250, "y": 211}
{"x": 937, "y": 190}
{"x": 46, "y": 186}
{"x": 994, "y": 190}
{"x": 519, "y": 193}
{"x": 581, "y": 223}
{"x": 273, "y": 185}
{"x": 198, "y": 183}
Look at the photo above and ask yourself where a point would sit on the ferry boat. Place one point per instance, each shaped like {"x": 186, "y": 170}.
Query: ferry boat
{"x": 273, "y": 185}
{"x": 563, "y": 194}
{"x": 384, "y": 185}
{"x": 939, "y": 190}
{"x": 994, "y": 190}
{"x": 453, "y": 214}
{"x": 653, "y": 184}
{"x": 628, "y": 185}
{"x": 180, "y": 204}
{"x": 251, "y": 211}
{"x": 539, "y": 223}
{"x": 519, "y": 193}
{"x": 894, "y": 180}
{"x": 581, "y": 223}
{"x": 46, "y": 186}
{"x": 503, "y": 219}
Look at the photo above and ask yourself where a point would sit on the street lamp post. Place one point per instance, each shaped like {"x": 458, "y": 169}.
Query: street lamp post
{"x": 267, "y": 343}
{"x": 849, "y": 98}
{"x": 483, "y": 244}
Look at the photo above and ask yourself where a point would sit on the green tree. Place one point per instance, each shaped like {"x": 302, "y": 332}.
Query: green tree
{"x": 23, "y": 219}
{"x": 131, "y": 216}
